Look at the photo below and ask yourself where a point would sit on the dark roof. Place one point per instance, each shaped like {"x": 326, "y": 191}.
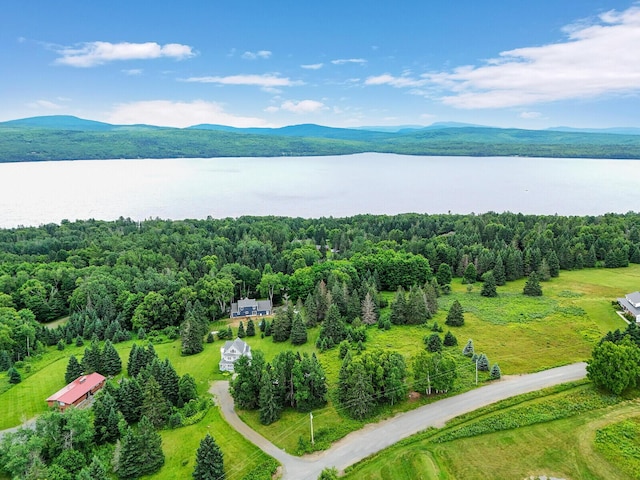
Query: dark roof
{"x": 76, "y": 389}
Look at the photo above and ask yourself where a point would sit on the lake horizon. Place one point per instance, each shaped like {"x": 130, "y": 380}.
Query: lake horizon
{"x": 35, "y": 193}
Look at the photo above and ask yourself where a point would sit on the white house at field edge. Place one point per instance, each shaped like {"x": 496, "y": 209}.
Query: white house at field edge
{"x": 631, "y": 304}
{"x": 231, "y": 352}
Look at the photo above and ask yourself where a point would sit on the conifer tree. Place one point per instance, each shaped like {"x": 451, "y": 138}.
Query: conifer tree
{"x": 269, "y": 405}
{"x": 398, "y": 308}
{"x": 298, "y": 331}
{"x": 444, "y": 274}
{"x": 489, "y": 285}
{"x": 498, "y": 271}
{"x": 333, "y": 329}
{"x": 130, "y": 400}
{"x": 416, "y": 311}
{"x": 14, "y": 376}
{"x": 74, "y": 370}
{"x": 106, "y": 418}
{"x": 241, "y": 332}
{"x": 495, "y": 372}
{"x": 470, "y": 274}
{"x": 450, "y": 340}
{"x": 155, "y": 407}
{"x": 209, "y": 461}
{"x": 455, "y": 317}
{"x": 431, "y": 297}
{"x": 110, "y": 362}
{"x": 532, "y": 287}
{"x": 191, "y": 337}
{"x": 468, "y": 350}
{"x": 434, "y": 343}
{"x": 92, "y": 359}
{"x": 281, "y": 327}
{"x": 94, "y": 471}
{"x": 251, "y": 328}
{"x": 311, "y": 311}
{"x": 133, "y": 364}
{"x": 483, "y": 363}
{"x": 369, "y": 314}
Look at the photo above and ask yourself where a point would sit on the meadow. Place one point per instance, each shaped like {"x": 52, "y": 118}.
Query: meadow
{"x": 519, "y": 333}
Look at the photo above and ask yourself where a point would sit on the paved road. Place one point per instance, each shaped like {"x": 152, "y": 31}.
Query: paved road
{"x": 375, "y": 437}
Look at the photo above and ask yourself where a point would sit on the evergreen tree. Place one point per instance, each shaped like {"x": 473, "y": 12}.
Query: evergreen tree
{"x": 209, "y": 461}
{"x": 298, "y": 331}
{"x": 95, "y": 471}
{"x": 591, "y": 259}
{"x": 106, "y": 418}
{"x": 369, "y": 314}
{"x": 281, "y": 327}
{"x": 450, "y": 340}
{"x": 14, "y": 376}
{"x": 398, "y": 308}
{"x": 544, "y": 273}
{"x": 61, "y": 344}
{"x": 141, "y": 451}
{"x": 499, "y": 271}
{"x": 333, "y": 330}
{"x": 134, "y": 364}
{"x": 92, "y": 359}
{"x": 489, "y": 285}
{"x": 309, "y": 384}
{"x": 431, "y": 297}
{"x": 5, "y": 361}
{"x": 532, "y": 288}
{"x": 110, "y": 362}
{"x": 130, "y": 400}
{"x": 74, "y": 370}
{"x": 245, "y": 387}
{"x": 468, "y": 350}
{"x": 311, "y": 311}
{"x": 416, "y": 312}
{"x": 169, "y": 382}
{"x": 251, "y": 328}
{"x": 495, "y": 372}
{"x": 483, "y": 363}
{"x": 269, "y": 406}
{"x": 434, "y": 343}
{"x": 210, "y": 338}
{"x": 187, "y": 389}
{"x": 470, "y": 274}
{"x": 554, "y": 264}
{"x": 155, "y": 407}
{"x": 444, "y": 274}
{"x": 241, "y": 332}
{"x": 359, "y": 400}
{"x": 455, "y": 317}
{"x": 191, "y": 337}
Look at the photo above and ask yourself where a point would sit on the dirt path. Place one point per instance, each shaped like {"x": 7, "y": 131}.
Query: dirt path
{"x": 375, "y": 437}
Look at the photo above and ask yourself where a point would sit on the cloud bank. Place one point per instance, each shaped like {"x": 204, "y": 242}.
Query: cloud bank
{"x": 177, "y": 114}
{"x": 599, "y": 57}
{"x": 91, "y": 54}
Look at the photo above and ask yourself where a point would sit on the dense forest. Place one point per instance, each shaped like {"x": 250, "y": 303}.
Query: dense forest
{"x": 121, "y": 276}
{"x": 70, "y": 138}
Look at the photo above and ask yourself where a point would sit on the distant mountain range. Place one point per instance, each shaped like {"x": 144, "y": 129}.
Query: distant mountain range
{"x": 64, "y": 137}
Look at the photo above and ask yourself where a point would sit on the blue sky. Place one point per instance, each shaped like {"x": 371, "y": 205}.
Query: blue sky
{"x": 347, "y": 63}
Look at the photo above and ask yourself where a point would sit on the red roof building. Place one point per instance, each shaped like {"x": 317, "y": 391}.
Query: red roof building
{"x": 80, "y": 389}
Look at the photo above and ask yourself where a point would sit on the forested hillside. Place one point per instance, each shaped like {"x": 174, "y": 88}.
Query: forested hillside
{"x": 124, "y": 275}
{"x": 70, "y": 138}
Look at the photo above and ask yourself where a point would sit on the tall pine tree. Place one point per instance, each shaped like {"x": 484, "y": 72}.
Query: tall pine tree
{"x": 209, "y": 461}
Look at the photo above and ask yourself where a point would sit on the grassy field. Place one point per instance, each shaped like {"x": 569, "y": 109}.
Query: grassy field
{"x": 520, "y": 334}
{"x": 561, "y": 448}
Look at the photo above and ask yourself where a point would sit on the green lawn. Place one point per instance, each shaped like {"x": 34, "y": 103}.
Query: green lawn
{"x": 521, "y": 334}
{"x": 563, "y": 448}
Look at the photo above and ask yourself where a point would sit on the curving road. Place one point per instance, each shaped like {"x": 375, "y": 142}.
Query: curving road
{"x": 375, "y": 437}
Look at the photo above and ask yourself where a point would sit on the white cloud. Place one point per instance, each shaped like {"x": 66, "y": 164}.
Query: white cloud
{"x": 312, "y": 66}
{"x": 46, "y": 104}
{"x": 90, "y": 54}
{"x": 303, "y": 106}
{"x": 263, "y": 54}
{"x": 599, "y": 57}
{"x": 530, "y": 115}
{"x": 398, "y": 82}
{"x": 342, "y": 61}
{"x": 177, "y": 114}
{"x": 265, "y": 81}
{"x": 133, "y": 72}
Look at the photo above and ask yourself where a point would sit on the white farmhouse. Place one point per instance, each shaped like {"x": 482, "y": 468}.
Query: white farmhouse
{"x": 232, "y": 351}
{"x": 631, "y": 304}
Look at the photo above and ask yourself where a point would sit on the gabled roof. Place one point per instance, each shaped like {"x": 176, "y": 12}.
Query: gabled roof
{"x": 247, "y": 302}
{"x": 634, "y": 297}
{"x": 76, "y": 389}
{"x": 264, "y": 305}
{"x": 240, "y": 345}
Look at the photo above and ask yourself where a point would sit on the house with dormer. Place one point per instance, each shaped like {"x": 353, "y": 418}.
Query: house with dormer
{"x": 631, "y": 304}
{"x": 250, "y": 307}
{"x": 231, "y": 352}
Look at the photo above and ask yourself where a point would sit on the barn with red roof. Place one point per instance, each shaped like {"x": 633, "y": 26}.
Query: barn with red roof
{"x": 77, "y": 391}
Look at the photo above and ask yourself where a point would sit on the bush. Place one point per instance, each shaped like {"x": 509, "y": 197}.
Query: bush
{"x": 495, "y": 372}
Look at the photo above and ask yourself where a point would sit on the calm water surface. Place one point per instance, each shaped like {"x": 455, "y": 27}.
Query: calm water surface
{"x": 45, "y": 192}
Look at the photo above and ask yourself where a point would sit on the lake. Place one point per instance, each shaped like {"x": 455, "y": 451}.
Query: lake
{"x": 48, "y": 192}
